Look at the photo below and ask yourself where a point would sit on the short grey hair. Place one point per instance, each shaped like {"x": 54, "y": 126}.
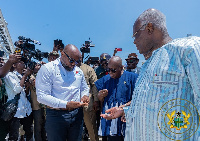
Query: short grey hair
{"x": 155, "y": 17}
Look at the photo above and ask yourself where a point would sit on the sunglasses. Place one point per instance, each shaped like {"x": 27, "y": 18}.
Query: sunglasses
{"x": 112, "y": 70}
{"x": 72, "y": 60}
{"x": 132, "y": 61}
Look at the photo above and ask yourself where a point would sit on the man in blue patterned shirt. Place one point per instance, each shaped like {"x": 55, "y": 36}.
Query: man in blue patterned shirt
{"x": 166, "y": 100}
{"x": 114, "y": 89}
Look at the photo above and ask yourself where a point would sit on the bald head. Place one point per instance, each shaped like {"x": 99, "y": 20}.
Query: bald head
{"x": 115, "y": 60}
{"x": 115, "y": 67}
{"x": 155, "y": 17}
{"x": 72, "y": 51}
{"x": 70, "y": 48}
{"x": 70, "y": 56}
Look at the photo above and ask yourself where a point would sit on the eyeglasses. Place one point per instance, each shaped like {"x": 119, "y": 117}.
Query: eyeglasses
{"x": 112, "y": 70}
{"x": 141, "y": 28}
{"x": 72, "y": 60}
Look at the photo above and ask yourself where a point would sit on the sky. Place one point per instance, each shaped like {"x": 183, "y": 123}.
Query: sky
{"x": 108, "y": 23}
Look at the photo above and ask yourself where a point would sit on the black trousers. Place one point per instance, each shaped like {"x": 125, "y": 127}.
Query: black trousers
{"x": 112, "y": 138}
{"x": 4, "y": 128}
{"x": 27, "y": 126}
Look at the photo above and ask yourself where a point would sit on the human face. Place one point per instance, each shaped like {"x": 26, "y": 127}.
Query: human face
{"x": 69, "y": 62}
{"x": 114, "y": 70}
{"x": 142, "y": 39}
{"x": 132, "y": 63}
{"x": 104, "y": 64}
{"x": 52, "y": 58}
{"x": 19, "y": 67}
{"x": 136, "y": 32}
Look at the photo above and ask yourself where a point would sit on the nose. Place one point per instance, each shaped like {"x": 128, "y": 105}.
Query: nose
{"x": 73, "y": 63}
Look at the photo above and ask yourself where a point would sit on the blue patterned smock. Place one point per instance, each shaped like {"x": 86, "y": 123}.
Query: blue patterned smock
{"x": 120, "y": 91}
{"x": 168, "y": 87}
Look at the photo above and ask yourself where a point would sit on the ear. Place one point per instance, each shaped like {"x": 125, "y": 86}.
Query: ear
{"x": 14, "y": 65}
{"x": 150, "y": 28}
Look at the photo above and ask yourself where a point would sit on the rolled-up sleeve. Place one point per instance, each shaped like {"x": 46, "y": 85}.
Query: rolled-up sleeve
{"x": 44, "y": 89}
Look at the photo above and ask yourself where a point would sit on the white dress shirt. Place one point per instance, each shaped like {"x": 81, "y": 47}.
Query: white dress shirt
{"x": 12, "y": 85}
{"x": 55, "y": 86}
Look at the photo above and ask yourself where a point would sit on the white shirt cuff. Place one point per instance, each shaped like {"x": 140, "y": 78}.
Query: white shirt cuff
{"x": 63, "y": 104}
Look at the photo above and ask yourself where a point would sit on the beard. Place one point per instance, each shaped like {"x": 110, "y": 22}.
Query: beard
{"x": 67, "y": 67}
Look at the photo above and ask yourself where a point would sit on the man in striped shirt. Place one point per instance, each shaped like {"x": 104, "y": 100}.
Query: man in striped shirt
{"x": 166, "y": 100}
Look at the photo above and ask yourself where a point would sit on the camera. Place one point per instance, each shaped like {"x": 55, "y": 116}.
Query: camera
{"x": 59, "y": 44}
{"x": 86, "y": 46}
{"x": 38, "y": 55}
{"x": 24, "y": 44}
{"x": 93, "y": 60}
{"x": 29, "y": 51}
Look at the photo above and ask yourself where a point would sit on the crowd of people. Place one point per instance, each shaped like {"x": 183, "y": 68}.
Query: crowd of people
{"x": 66, "y": 99}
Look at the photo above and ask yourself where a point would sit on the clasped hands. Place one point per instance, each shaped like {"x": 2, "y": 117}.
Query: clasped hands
{"x": 73, "y": 104}
{"x": 102, "y": 94}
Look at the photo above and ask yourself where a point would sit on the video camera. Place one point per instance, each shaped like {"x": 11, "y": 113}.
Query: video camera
{"x": 29, "y": 51}
{"x": 24, "y": 44}
{"x": 93, "y": 60}
{"x": 86, "y": 46}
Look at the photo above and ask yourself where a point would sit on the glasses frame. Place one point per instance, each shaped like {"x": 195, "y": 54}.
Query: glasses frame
{"x": 112, "y": 70}
{"x": 72, "y": 60}
{"x": 138, "y": 31}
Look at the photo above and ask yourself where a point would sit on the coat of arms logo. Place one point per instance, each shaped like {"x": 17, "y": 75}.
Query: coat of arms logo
{"x": 177, "y": 121}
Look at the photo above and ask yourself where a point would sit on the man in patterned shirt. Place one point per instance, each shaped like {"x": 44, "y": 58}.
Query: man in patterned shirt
{"x": 168, "y": 85}
{"x": 115, "y": 89}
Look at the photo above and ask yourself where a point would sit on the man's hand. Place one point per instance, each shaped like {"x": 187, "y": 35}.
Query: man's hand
{"x": 73, "y": 105}
{"x": 42, "y": 63}
{"x": 102, "y": 93}
{"x": 14, "y": 58}
{"x": 85, "y": 99}
{"x": 114, "y": 113}
{"x": 96, "y": 106}
{"x": 115, "y": 51}
{"x": 32, "y": 81}
{"x": 28, "y": 72}
{"x": 123, "y": 119}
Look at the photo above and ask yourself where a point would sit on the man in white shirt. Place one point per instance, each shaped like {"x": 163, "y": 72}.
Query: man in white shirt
{"x": 14, "y": 84}
{"x": 62, "y": 87}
